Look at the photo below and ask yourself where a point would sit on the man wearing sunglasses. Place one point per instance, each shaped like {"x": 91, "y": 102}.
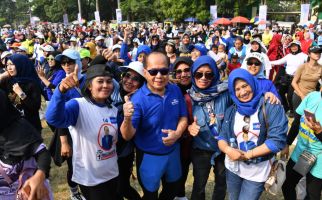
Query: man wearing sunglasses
{"x": 157, "y": 116}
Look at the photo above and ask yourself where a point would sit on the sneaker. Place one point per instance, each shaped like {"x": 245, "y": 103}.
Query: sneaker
{"x": 180, "y": 198}
{"x": 77, "y": 196}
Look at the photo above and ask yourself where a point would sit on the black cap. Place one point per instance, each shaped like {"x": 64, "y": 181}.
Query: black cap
{"x": 315, "y": 49}
{"x": 235, "y": 55}
{"x": 182, "y": 59}
{"x": 97, "y": 70}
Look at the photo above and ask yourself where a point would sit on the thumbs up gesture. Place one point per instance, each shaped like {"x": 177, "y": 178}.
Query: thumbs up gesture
{"x": 194, "y": 127}
{"x": 70, "y": 81}
{"x": 128, "y": 107}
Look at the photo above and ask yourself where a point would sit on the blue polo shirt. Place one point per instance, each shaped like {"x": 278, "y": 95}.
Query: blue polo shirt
{"x": 152, "y": 113}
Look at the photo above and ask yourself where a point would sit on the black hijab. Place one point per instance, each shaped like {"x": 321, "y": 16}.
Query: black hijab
{"x": 19, "y": 140}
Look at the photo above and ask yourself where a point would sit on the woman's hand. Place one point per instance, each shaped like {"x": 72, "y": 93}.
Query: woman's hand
{"x": 314, "y": 125}
{"x": 194, "y": 128}
{"x": 70, "y": 81}
{"x": 235, "y": 154}
{"x": 41, "y": 71}
{"x": 35, "y": 186}
{"x": 285, "y": 152}
{"x": 17, "y": 89}
{"x": 272, "y": 98}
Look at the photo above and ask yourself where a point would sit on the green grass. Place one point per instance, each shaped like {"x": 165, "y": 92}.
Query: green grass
{"x": 60, "y": 188}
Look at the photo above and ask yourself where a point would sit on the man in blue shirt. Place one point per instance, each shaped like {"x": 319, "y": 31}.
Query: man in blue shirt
{"x": 157, "y": 117}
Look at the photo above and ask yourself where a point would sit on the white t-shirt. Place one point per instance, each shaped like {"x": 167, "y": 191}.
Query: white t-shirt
{"x": 94, "y": 144}
{"x": 292, "y": 62}
{"x": 254, "y": 172}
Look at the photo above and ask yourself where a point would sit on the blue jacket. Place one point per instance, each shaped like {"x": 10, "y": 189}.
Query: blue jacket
{"x": 205, "y": 140}
{"x": 55, "y": 79}
{"x": 274, "y": 138}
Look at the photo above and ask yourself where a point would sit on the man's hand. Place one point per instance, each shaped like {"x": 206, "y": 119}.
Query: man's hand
{"x": 35, "y": 188}
{"x": 128, "y": 107}
{"x": 194, "y": 128}
{"x": 172, "y": 137}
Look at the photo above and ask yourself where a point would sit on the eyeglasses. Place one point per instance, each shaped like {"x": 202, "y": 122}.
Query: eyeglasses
{"x": 68, "y": 62}
{"x": 256, "y": 63}
{"x": 50, "y": 58}
{"x": 163, "y": 71}
{"x": 133, "y": 78}
{"x": 207, "y": 75}
{"x": 186, "y": 70}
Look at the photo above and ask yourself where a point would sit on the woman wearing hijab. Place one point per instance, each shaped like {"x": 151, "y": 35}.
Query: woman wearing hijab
{"x": 21, "y": 148}
{"x": 210, "y": 99}
{"x": 255, "y": 66}
{"x": 60, "y": 147}
{"x": 275, "y": 52}
{"x": 182, "y": 75}
{"x": 94, "y": 138}
{"x": 256, "y": 45}
{"x": 24, "y": 88}
{"x": 131, "y": 80}
{"x": 258, "y": 129}
{"x": 53, "y": 77}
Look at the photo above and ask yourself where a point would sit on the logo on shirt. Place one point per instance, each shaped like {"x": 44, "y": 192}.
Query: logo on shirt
{"x": 256, "y": 126}
{"x": 174, "y": 102}
{"x": 106, "y": 140}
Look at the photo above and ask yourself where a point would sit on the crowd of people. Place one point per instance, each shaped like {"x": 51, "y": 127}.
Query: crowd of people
{"x": 162, "y": 98}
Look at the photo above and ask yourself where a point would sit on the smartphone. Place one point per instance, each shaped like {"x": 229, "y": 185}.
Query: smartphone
{"x": 309, "y": 114}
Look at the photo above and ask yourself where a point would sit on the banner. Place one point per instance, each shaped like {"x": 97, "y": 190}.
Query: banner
{"x": 262, "y": 17}
{"x": 305, "y": 9}
{"x": 118, "y": 16}
{"x": 65, "y": 19}
{"x": 213, "y": 12}
{"x": 97, "y": 17}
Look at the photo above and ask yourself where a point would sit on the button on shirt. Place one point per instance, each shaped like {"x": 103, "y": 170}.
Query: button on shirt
{"x": 152, "y": 113}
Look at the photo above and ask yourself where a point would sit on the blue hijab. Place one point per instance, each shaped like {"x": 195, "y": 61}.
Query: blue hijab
{"x": 206, "y": 60}
{"x": 244, "y": 108}
{"x": 215, "y": 88}
{"x": 26, "y": 71}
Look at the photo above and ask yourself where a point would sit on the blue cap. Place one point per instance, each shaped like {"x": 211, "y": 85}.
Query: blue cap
{"x": 70, "y": 53}
{"x": 200, "y": 47}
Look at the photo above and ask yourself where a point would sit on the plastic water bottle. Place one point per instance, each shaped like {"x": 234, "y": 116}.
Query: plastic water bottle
{"x": 233, "y": 165}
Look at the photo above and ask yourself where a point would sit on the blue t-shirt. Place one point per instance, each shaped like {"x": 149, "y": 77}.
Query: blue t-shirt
{"x": 152, "y": 113}
{"x": 306, "y": 138}
{"x": 320, "y": 40}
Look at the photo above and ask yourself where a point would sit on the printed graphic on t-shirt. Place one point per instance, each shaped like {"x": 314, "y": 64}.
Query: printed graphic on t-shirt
{"x": 13, "y": 173}
{"x": 106, "y": 140}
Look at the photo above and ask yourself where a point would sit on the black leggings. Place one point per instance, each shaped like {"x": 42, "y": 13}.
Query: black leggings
{"x": 313, "y": 184}
{"x": 103, "y": 191}
{"x": 293, "y": 132}
{"x": 285, "y": 91}
{"x": 125, "y": 170}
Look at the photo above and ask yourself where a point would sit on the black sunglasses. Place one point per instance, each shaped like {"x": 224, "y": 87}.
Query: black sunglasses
{"x": 256, "y": 63}
{"x": 68, "y": 62}
{"x": 163, "y": 71}
{"x": 207, "y": 75}
{"x": 186, "y": 70}
{"x": 133, "y": 78}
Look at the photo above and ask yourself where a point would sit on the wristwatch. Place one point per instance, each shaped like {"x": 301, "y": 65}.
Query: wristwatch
{"x": 22, "y": 96}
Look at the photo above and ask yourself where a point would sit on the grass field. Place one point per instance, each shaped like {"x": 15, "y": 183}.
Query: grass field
{"x": 61, "y": 192}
